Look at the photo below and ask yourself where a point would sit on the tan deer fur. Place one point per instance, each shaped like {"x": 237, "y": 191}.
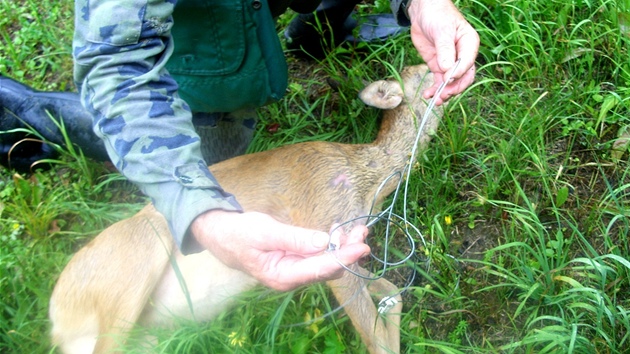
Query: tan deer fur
{"x": 125, "y": 276}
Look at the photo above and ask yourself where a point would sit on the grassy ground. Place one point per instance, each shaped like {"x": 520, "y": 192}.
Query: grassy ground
{"x": 523, "y": 197}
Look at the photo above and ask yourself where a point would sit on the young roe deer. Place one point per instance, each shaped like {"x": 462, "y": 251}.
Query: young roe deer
{"x": 125, "y": 276}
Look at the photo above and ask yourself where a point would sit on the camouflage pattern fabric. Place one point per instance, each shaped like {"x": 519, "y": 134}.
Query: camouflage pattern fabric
{"x": 120, "y": 50}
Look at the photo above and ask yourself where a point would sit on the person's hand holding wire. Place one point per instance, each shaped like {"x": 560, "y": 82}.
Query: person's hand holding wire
{"x": 278, "y": 255}
{"x": 442, "y": 36}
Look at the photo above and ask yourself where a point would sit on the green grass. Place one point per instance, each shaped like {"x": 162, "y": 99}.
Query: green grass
{"x": 523, "y": 203}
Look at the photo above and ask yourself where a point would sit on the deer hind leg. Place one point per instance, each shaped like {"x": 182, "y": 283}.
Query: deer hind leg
{"x": 380, "y": 333}
{"x": 93, "y": 324}
{"x": 74, "y": 335}
{"x": 103, "y": 290}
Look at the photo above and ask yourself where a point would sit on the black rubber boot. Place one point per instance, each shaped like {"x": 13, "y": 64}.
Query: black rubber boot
{"x": 318, "y": 33}
{"x": 223, "y": 135}
{"x": 21, "y": 106}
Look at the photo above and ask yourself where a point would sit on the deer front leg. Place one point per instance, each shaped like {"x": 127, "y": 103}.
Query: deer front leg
{"x": 380, "y": 333}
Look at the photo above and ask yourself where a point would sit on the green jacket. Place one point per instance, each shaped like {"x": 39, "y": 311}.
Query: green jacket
{"x": 227, "y": 55}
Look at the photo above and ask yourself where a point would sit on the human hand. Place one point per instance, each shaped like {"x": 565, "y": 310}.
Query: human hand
{"x": 280, "y": 256}
{"x": 442, "y": 36}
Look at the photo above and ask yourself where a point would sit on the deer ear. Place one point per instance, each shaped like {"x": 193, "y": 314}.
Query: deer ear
{"x": 382, "y": 94}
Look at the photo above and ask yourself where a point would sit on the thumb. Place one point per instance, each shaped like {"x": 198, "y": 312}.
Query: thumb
{"x": 445, "y": 51}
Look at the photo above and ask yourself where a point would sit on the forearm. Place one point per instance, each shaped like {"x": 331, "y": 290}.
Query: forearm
{"x": 147, "y": 128}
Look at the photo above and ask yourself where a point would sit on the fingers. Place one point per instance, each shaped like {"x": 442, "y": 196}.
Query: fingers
{"x": 307, "y": 242}
{"x": 445, "y": 49}
{"x": 293, "y": 270}
{"x": 461, "y": 75}
{"x": 441, "y": 42}
{"x": 296, "y": 271}
{"x": 357, "y": 234}
{"x": 280, "y": 256}
{"x": 338, "y": 237}
{"x": 455, "y": 87}
{"x": 461, "y": 45}
{"x": 354, "y": 248}
{"x": 467, "y": 46}
{"x": 460, "y": 72}
{"x": 293, "y": 239}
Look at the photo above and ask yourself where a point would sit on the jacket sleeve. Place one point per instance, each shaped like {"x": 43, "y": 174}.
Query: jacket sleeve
{"x": 120, "y": 49}
{"x": 399, "y": 9}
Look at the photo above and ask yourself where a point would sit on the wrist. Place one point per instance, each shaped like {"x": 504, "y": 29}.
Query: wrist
{"x": 208, "y": 224}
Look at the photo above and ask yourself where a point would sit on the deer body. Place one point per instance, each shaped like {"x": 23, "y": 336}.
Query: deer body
{"x": 126, "y": 275}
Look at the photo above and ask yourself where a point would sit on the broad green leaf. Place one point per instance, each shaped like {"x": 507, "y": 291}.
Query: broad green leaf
{"x": 561, "y": 196}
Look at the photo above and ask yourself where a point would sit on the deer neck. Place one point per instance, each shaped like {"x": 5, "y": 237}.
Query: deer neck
{"x": 398, "y": 133}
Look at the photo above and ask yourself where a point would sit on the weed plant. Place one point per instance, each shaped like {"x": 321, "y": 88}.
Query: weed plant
{"x": 521, "y": 197}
